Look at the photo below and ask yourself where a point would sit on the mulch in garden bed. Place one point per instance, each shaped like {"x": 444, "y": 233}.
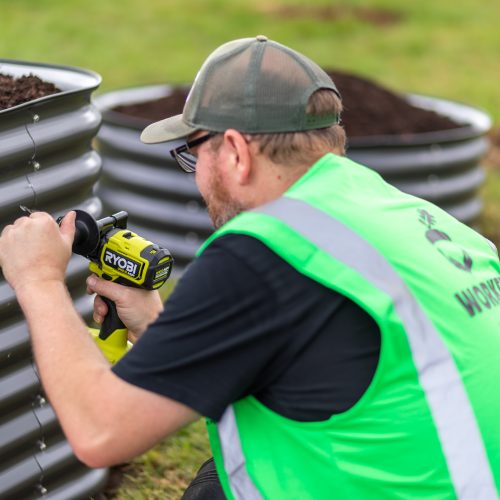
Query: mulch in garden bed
{"x": 15, "y": 91}
{"x": 369, "y": 109}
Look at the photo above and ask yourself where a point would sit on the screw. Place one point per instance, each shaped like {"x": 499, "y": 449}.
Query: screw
{"x": 41, "y": 445}
{"x": 36, "y": 118}
{"x": 42, "y": 489}
{"x": 40, "y": 400}
{"x": 36, "y": 165}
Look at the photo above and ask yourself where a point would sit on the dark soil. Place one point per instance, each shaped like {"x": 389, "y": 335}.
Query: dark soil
{"x": 369, "y": 109}
{"x": 152, "y": 111}
{"x": 14, "y": 91}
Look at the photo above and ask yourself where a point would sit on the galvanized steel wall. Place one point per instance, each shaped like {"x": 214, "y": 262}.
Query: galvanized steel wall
{"x": 46, "y": 163}
{"x": 164, "y": 203}
{"x": 442, "y": 166}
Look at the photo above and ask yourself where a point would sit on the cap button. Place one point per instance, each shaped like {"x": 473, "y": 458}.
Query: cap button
{"x": 261, "y": 38}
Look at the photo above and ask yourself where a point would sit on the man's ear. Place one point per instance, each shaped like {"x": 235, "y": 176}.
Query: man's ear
{"x": 240, "y": 157}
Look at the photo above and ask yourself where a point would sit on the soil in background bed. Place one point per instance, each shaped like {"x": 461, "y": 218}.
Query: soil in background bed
{"x": 369, "y": 109}
{"x": 14, "y": 91}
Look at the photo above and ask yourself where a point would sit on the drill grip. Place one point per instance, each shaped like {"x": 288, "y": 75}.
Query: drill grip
{"x": 112, "y": 321}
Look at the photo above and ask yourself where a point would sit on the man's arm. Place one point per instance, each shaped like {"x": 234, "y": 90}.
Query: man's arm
{"x": 105, "y": 419}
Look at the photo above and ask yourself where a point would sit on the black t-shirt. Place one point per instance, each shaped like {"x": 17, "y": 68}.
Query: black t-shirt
{"x": 242, "y": 321}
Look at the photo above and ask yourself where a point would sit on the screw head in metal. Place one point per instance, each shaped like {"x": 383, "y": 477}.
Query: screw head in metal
{"x": 36, "y": 118}
{"x": 42, "y": 489}
{"x": 40, "y": 400}
{"x": 36, "y": 165}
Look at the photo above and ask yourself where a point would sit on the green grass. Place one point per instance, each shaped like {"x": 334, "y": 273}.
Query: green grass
{"x": 443, "y": 48}
{"x": 165, "y": 471}
{"x": 436, "y": 48}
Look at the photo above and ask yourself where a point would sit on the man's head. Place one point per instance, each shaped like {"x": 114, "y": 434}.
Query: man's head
{"x": 262, "y": 103}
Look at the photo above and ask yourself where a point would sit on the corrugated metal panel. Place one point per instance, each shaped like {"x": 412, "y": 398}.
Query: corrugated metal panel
{"x": 46, "y": 163}
{"x": 165, "y": 206}
{"x": 163, "y": 202}
{"x": 442, "y": 167}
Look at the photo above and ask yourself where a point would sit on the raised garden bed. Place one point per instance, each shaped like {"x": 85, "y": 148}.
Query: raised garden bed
{"x": 426, "y": 146}
{"x": 47, "y": 123}
{"x": 370, "y": 109}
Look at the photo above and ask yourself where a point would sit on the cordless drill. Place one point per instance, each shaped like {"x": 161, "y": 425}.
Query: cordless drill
{"x": 117, "y": 254}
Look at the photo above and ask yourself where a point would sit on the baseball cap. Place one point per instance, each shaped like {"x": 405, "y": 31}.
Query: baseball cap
{"x": 253, "y": 85}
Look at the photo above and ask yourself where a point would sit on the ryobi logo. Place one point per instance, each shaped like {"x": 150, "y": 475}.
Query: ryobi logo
{"x": 118, "y": 261}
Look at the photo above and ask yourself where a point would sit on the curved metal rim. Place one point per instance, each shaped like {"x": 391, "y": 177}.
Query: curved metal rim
{"x": 476, "y": 122}
{"x": 421, "y": 139}
{"x": 106, "y": 101}
{"x": 58, "y": 67}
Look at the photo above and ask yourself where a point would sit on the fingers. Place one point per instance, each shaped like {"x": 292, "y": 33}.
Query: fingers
{"x": 37, "y": 215}
{"x": 68, "y": 227}
{"x": 106, "y": 289}
{"x": 112, "y": 291}
{"x": 100, "y": 309}
{"x": 103, "y": 287}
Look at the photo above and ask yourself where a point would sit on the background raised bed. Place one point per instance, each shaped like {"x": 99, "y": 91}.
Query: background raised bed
{"x": 427, "y": 147}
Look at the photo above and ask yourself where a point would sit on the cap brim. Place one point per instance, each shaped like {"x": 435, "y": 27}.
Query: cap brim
{"x": 170, "y": 129}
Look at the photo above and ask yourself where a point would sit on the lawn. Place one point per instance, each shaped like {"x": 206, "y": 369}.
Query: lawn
{"x": 430, "y": 47}
{"x": 443, "y": 49}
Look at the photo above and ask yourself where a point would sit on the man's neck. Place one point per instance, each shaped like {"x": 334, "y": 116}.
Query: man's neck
{"x": 273, "y": 180}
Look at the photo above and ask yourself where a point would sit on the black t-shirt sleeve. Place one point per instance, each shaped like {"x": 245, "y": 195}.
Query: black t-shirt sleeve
{"x": 212, "y": 340}
{"x": 242, "y": 321}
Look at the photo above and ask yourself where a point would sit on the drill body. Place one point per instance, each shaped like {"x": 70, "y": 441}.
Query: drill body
{"x": 117, "y": 254}
{"x": 126, "y": 258}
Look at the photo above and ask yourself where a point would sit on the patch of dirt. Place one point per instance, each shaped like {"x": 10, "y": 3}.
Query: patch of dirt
{"x": 14, "y": 91}
{"x": 157, "y": 109}
{"x": 115, "y": 479}
{"x": 370, "y": 15}
{"x": 369, "y": 109}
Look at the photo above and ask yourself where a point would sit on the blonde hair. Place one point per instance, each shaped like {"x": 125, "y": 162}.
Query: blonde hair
{"x": 305, "y": 147}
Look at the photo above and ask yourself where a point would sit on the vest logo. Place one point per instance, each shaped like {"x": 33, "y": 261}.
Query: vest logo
{"x": 122, "y": 263}
{"x": 483, "y": 296}
{"x": 443, "y": 243}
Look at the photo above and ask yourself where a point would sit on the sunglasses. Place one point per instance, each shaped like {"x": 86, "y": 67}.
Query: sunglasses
{"x": 184, "y": 158}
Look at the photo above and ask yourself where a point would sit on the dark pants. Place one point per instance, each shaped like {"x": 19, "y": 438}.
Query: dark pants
{"x": 206, "y": 484}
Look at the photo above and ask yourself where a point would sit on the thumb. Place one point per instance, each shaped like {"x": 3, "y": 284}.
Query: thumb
{"x": 68, "y": 227}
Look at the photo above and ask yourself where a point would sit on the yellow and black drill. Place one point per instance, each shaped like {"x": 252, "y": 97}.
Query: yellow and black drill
{"x": 117, "y": 254}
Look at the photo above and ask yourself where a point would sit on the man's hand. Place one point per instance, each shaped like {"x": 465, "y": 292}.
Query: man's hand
{"x": 36, "y": 249}
{"x": 137, "y": 308}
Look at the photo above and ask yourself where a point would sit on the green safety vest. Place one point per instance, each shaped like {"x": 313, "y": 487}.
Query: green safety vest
{"x": 428, "y": 426}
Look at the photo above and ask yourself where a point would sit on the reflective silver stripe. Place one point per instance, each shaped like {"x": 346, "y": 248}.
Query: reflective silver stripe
{"x": 242, "y": 486}
{"x": 452, "y": 412}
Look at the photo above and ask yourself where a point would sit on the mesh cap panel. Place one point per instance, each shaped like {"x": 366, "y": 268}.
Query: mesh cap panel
{"x": 255, "y": 85}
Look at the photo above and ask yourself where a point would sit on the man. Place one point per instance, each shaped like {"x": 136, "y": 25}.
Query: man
{"x": 340, "y": 336}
